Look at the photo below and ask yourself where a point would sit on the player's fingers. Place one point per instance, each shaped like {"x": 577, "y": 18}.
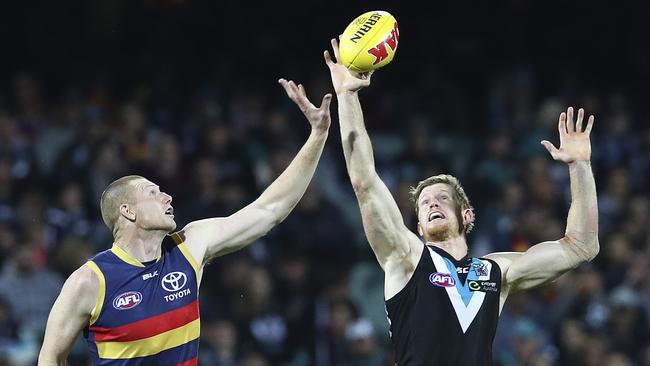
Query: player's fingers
{"x": 290, "y": 89}
{"x": 581, "y": 115}
{"x": 368, "y": 75}
{"x": 328, "y": 59}
{"x": 325, "y": 104}
{"x": 293, "y": 87}
{"x": 590, "y": 124}
{"x": 569, "y": 120}
{"x": 335, "y": 48}
{"x": 299, "y": 96}
{"x": 561, "y": 124}
{"x": 285, "y": 85}
{"x": 301, "y": 90}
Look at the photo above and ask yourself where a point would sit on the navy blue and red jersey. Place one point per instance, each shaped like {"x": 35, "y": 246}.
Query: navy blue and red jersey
{"x": 146, "y": 313}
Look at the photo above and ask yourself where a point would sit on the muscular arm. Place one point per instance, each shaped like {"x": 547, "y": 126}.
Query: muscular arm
{"x": 546, "y": 261}
{"x": 384, "y": 226}
{"x": 213, "y": 237}
{"x": 397, "y": 248}
{"x": 69, "y": 315}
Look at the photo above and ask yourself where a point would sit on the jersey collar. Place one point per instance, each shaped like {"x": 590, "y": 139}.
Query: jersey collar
{"x": 126, "y": 257}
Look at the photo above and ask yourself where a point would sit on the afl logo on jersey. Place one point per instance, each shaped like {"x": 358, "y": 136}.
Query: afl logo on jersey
{"x": 442, "y": 279}
{"x": 174, "y": 281}
{"x": 127, "y": 300}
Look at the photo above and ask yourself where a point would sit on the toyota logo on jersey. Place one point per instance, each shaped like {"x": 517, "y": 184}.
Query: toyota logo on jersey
{"x": 174, "y": 281}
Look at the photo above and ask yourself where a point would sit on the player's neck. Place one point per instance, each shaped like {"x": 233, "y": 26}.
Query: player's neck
{"x": 456, "y": 247}
{"x": 143, "y": 245}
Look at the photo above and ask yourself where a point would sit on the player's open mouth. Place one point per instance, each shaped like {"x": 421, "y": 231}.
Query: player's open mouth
{"x": 436, "y": 215}
{"x": 170, "y": 211}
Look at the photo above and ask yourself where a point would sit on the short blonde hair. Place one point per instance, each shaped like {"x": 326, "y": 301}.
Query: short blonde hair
{"x": 458, "y": 192}
{"x": 118, "y": 192}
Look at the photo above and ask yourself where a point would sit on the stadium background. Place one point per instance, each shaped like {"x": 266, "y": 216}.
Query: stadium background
{"x": 184, "y": 92}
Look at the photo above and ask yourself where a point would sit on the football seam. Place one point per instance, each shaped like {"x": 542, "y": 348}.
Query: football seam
{"x": 366, "y": 44}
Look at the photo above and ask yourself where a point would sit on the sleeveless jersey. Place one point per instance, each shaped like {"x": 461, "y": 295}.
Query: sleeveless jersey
{"x": 146, "y": 314}
{"x": 447, "y": 313}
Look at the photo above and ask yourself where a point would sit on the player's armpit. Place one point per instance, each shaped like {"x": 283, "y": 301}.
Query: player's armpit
{"x": 69, "y": 315}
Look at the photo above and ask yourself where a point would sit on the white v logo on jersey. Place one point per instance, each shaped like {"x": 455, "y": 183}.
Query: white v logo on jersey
{"x": 466, "y": 303}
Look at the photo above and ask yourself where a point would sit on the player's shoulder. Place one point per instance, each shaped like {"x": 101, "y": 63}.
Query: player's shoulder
{"x": 84, "y": 280}
{"x": 503, "y": 259}
{"x": 80, "y": 292}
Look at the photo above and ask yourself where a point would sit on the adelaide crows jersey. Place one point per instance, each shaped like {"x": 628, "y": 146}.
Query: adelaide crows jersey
{"x": 146, "y": 313}
{"x": 447, "y": 313}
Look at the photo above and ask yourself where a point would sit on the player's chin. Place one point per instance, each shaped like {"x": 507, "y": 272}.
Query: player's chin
{"x": 169, "y": 226}
{"x": 438, "y": 230}
{"x": 438, "y": 225}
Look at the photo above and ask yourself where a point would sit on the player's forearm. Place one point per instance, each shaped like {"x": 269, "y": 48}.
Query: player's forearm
{"x": 357, "y": 147}
{"x": 285, "y": 192}
{"x": 48, "y": 357}
{"x": 42, "y": 361}
{"x": 582, "y": 221}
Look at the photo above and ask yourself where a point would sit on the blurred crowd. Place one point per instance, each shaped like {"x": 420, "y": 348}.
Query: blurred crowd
{"x": 311, "y": 292}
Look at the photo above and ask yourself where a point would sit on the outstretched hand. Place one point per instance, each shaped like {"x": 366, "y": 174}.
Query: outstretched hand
{"x": 343, "y": 79}
{"x": 319, "y": 118}
{"x": 574, "y": 141}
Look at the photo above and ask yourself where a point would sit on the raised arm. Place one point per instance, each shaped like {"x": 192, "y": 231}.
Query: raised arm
{"x": 394, "y": 245}
{"x": 69, "y": 315}
{"x": 213, "y": 237}
{"x": 546, "y": 261}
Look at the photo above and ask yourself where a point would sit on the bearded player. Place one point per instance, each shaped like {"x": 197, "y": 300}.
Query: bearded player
{"x": 442, "y": 305}
{"x": 137, "y": 303}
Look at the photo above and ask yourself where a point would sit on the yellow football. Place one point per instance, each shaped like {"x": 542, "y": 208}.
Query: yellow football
{"x": 369, "y": 42}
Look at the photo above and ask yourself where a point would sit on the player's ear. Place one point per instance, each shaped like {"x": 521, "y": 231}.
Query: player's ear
{"x": 468, "y": 216}
{"x": 420, "y": 231}
{"x": 127, "y": 212}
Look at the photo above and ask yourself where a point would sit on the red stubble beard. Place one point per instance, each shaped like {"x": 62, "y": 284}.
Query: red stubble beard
{"x": 446, "y": 232}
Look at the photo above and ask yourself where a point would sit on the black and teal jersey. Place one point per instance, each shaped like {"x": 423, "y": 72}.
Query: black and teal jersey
{"x": 447, "y": 313}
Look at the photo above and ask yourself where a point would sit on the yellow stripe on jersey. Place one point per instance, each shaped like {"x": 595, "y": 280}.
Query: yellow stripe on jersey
{"x": 94, "y": 314}
{"x": 152, "y": 345}
{"x": 125, "y": 256}
{"x": 190, "y": 259}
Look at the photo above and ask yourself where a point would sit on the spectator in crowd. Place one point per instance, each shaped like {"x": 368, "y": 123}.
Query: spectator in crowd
{"x": 90, "y": 103}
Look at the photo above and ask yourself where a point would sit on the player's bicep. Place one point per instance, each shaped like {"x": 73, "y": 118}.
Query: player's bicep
{"x": 218, "y": 236}
{"x": 540, "y": 264}
{"x": 384, "y": 226}
{"x": 70, "y": 313}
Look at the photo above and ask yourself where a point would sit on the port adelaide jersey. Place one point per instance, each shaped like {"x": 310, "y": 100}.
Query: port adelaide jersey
{"x": 146, "y": 313}
{"x": 447, "y": 313}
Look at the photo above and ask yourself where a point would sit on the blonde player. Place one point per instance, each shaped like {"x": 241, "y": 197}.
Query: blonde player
{"x": 442, "y": 305}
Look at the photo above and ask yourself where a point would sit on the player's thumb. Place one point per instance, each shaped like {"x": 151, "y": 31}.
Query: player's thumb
{"x": 550, "y": 148}
{"x": 362, "y": 83}
{"x": 325, "y": 104}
